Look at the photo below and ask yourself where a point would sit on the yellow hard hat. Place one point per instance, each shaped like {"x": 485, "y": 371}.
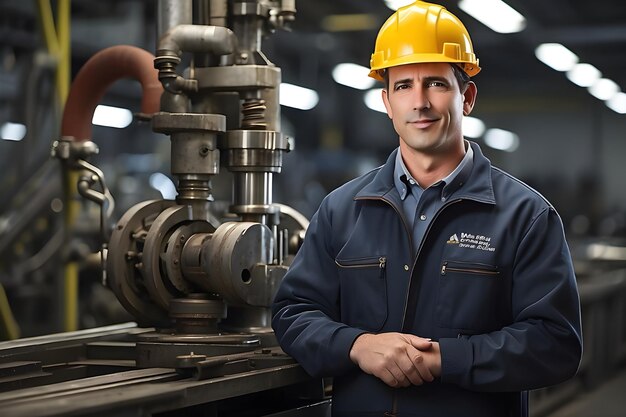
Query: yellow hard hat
{"x": 423, "y": 32}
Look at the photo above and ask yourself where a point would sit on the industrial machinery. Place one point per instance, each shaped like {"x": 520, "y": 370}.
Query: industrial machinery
{"x": 198, "y": 281}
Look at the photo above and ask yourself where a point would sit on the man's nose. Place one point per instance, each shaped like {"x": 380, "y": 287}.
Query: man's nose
{"x": 420, "y": 99}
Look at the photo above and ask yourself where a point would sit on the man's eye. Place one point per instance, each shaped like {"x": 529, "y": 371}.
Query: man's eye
{"x": 436, "y": 84}
{"x": 402, "y": 87}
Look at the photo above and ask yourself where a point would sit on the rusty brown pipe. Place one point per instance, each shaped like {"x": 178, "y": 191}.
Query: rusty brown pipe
{"x": 95, "y": 77}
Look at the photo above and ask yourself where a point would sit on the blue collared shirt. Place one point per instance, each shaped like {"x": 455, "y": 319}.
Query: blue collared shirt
{"x": 420, "y": 205}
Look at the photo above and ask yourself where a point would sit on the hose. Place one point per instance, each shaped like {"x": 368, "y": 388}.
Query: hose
{"x": 95, "y": 77}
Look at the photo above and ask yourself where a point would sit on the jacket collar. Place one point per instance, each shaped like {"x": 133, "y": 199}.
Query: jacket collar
{"x": 478, "y": 187}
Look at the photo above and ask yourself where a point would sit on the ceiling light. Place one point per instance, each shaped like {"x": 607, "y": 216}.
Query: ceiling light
{"x": 584, "y": 75}
{"x": 604, "y": 89}
{"x": 617, "y": 103}
{"x": 556, "y": 56}
{"x": 353, "y": 75}
{"x": 109, "y": 116}
{"x": 349, "y": 22}
{"x": 374, "y": 100}
{"x": 12, "y": 131}
{"x": 495, "y": 14}
{"x": 473, "y": 127}
{"x": 163, "y": 184}
{"x": 396, "y": 4}
{"x": 298, "y": 97}
{"x": 502, "y": 140}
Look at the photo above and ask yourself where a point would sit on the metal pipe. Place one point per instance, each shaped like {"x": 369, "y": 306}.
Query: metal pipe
{"x": 98, "y": 73}
{"x": 193, "y": 38}
{"x": 171, "y": 13}
{"x": 252, "y": 188}
{"x": 218, "y": 12}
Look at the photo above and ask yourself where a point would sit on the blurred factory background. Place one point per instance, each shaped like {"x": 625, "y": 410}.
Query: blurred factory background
{"x": 551, "y": 110}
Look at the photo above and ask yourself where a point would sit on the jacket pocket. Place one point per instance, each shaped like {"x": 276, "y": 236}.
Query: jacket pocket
{"x": 470, "y": 295}
{"x": 363, "y": 294}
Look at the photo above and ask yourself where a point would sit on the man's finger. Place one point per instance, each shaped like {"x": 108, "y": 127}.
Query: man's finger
{"x": 420, "y": 343}
{"x": 422, "y": 369}
{"x": 405, "y": 363}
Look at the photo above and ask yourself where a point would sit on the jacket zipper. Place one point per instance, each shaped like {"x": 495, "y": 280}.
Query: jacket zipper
{"x": 394, "y": 396}
{"x": 382, "y": 262}
{"x": 419, "y": 250}
{"x": 445, "y": 268}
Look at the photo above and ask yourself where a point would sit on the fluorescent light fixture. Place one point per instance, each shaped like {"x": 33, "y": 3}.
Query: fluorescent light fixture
{"x": 584, "y": 75}
{"x": 374, "y": 100}
{"x": 349, "y": 22}
{"x": 556, "y": 56}
{"x": 109, "y": 116}
{"x": 604, "y": 89}
{"x": 396, "y": 4}
{"x": 298, "y": 97}
{"x": 495, "y": 14}
{"x": 502, "y": 140}
{"x": 473, "y": 127}
{"x": 617, "y": 103}
{"x": 353, "y": 75}
{"x": 12, "y": 131}
{"x": 163, "y": 184}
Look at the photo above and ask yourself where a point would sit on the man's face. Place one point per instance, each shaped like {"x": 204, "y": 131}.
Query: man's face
{"x": 426, "y": 106}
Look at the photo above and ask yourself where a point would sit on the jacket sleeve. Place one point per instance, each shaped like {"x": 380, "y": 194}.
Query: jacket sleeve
{"x": 306, "y": 308}
{"x": 543, "y": 345}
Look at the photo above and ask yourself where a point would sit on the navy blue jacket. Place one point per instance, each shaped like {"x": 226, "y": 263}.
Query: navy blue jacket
{"x": 492, "y": 282}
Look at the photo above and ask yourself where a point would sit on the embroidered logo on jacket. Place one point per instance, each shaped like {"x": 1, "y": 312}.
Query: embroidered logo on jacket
{"x": 471, "y": 241}
{"x": 453, "y": 240}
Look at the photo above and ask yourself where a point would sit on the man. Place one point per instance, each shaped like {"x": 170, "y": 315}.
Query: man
{"x": 435, "y": 285}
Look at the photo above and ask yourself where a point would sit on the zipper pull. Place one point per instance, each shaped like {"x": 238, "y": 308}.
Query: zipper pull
{"x": 382, "y": 261}
{"x": 443, "y": 269}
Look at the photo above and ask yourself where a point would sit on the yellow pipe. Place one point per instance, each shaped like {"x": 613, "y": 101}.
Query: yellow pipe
{"x": 46, "y": 22}
{"x": 9, "y": 328}
{"x": 58, "y": 44}
{"x": 71, "y": 297}
{"x": 72, "y": 206}
{"x": 63, "y": 36}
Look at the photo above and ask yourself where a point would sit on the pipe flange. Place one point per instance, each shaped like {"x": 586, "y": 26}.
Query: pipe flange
{"x": 197, "y": 306}
{"x": 173, "y": 255}
{"x": 124, "y": 262}
{"x": 161, "y": 290}
{"x": 255, "y": 139}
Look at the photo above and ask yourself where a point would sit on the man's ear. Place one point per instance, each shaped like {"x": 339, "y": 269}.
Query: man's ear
{"x": 469, "y": 98}
{"x": 385, "y": 95}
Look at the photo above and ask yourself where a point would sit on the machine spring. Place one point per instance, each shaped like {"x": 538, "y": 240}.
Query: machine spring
{"x": 253, "y": 112}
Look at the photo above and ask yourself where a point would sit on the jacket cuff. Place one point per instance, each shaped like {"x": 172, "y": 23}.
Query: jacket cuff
{"x": 344, "y": 339}
{"x": 456, "y": 360}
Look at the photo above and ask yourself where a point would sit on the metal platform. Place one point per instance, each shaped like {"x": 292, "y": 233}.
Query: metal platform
{"x": 93, "y": 373}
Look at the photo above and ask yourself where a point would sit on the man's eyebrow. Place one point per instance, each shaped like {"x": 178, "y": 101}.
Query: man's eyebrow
{"x": 436, "y": 78}
{"x": 403, "y": 81}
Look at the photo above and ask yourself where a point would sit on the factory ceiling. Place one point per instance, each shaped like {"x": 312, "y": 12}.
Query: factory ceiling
{"x": 328, "y": 32}
{"x": 595, "y": 31}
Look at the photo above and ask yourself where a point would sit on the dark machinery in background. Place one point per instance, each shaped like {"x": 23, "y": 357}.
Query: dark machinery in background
{"x": 199, "y": 281}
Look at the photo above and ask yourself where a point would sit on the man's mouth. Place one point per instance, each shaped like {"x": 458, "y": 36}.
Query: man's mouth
{"x": 422, "y": 123}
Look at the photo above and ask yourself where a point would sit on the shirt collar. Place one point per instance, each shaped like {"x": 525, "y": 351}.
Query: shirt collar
{"x": 452, "y": 182}
{"x": 401, "y": 176}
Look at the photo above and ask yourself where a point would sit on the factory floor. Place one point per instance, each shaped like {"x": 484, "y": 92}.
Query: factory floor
{"x": 607, "y": 400}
